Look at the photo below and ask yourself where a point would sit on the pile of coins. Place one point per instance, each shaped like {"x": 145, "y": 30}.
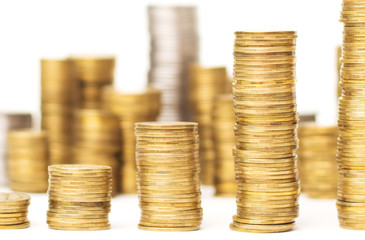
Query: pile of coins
{"x": 224, "y": 140}
{"x": 266, "y": 131}
{"x": 317, "y": 160}
{"x": 14, "y": 210}
{"x": 174, "y": 45}
{"x": 131, "y": 108}
{"x": 97, "y": 140}
{"x": 58, "y": 90}
{"x": 351, "y": 119}
{"x": 204, "y": 85}
{"x": 79, "y": 197}
{"x": 168, "y": 176}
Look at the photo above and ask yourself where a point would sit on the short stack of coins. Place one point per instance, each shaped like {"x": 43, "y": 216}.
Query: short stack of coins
{"x": 57, "y": 104}
{"x": 351, "y": 119}
{"x": 266, "y": 131}
{"x": 167, "y": 157}
{"x": 204, "y": 85}
{"x": 14, "y": 210}
{"x": 131, "y": 108}
{"x": 92, "y": 74}
{"x": 97, "y": 140}
{"x": 224, "y": 141}
{"x": 317, "y": 160}
{"x": 79, "y": 197}
{"x": 174, "y": 46}
{"x": 28, "y": 161}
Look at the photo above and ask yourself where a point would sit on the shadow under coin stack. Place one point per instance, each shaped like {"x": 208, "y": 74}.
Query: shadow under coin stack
{"x": 224, "y": 139}
{"x": 14, "y": 210}
{"x": 351, "y": 119}
{"x": 131, "y": 108}
{"x": 204, "y": 85}
{"x": 317, "y": 158}
{"x": 28, "y": 161}
{"x": 167, "y": 158}
{"x": 174, "y": 46}
{"x": 58, "y": 87}
{"x": 266, "y": 131}
{"x": 79, "y": 197}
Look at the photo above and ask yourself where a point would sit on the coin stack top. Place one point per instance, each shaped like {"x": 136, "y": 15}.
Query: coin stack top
{"x": 14, "y": 210}
{"x": 168, "y": 176}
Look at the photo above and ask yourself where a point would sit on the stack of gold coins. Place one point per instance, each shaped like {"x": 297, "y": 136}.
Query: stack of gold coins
{"x": 79, "y": 197}
{"x": 131, "y": 108}
{"x": 317, "y": 160}
{"x": 266, "y": 131}
{"x": 27, "y": 161}
{"x": 204, "y": 85}
{"x": 57, "y": 107}
{"x": 14, "y": 210}
{"x": 224, "y": 140}
{"x": 92, "y": 74}
{"x": 168, "y": 176}
{"x": 351, "y": 119}
{"x": 97, "y": 140}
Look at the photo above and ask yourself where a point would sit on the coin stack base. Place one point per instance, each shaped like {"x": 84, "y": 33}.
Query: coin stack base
{"x": 14, "y": 210}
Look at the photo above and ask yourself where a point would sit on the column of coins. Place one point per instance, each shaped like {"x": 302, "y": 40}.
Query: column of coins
{"x": 168, "y": 176}
{"x": 204, "y": 85}
{"x": 57, "y": 102}
{"x": 266, "y": 131}
{"x": 97, "y": 140}
{"x": 92, "y": 73}
{"x": 224, "y": 140}
{"x": 14, "y": 210}
{"x": 131, "y": 108}
{"x": 27, "y": 161}
{"x": 79, "y": 197}
{"x": 10, "y": 121}
{"x": 174, "y": 45}
{"x": 317, "y": 160}
{"x": 351, "y": 119}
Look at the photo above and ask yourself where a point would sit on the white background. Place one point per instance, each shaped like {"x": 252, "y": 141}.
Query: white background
{"x": 34, "y": 29}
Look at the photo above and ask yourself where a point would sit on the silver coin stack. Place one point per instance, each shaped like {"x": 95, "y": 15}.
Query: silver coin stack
{"x": 174, "y": 46}
{"x": 8, "y": 122}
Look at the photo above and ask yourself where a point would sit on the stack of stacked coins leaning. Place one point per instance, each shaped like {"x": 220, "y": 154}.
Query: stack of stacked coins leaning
{"x": 168, "y": 176}
{"x": 79, "y": 197}
{"x": 266, "y": 131}
{"x": 14, "y": 210}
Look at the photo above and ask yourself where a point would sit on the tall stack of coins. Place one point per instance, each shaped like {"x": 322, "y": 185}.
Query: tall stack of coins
{"x": 79, "y": 197}
{"x": 317, "y": 158}
{"x": 97, "y": 140}
{"x": 58, "y": 87}
{"x": 266, "y": 131}
{"x": 28, "y": 161}
{"x": 92, "y": 74}
{"x": 14, "y": 210}
{"x": 168, "y": 176}
{"x": 204, "y": 85}
{"x": 174, "y": 45}
{"x": 131, "y": 108}
{"x": 224, "y": 140}
{"x": 351, "y": 119}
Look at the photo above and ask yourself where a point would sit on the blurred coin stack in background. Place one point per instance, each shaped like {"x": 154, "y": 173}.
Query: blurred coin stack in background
{"x": 174, "y": 46}
{"x": 14, "y": 210}
{"x": 8, "y": 122}
{"x": 28, "y": 161}
{"x": 97, "y": 140}
{"x": 57, "y": 103}
{"x": 204, "y": 84}
{"x": 351, "y": 119}
{"x": 317, "y": 160}
{"x": 266, "y": 131}
{"x": 131, "y": 108}
{"x": 79, "y": 197}
{"x": 224, "y": 141}
{"x": 167, "y": 156}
